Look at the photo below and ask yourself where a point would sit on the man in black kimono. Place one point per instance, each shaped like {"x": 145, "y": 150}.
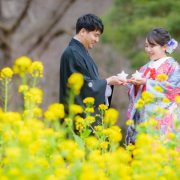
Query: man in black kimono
{"x": 76, "y": 58}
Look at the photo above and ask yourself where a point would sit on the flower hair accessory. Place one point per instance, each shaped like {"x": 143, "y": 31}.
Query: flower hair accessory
{"x": 171, "y": 46}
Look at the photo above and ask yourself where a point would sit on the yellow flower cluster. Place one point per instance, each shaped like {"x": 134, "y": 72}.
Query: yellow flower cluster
{"x": 98, "y": 128}
{"x": 70, "y": 150}
{"x": 6, "y": 73}
{"x": 10, "y": 117}
{"x": 111, "y": 116}
{"x": 113, "y": 134}
{"x": 89, "y": 110}
{"x": 75, "y": 109}
{"x": 56, "y": 150}
{"x": 147, "y": 97}
{"x": 23, "y": 88}
{"x": 22, "y": 65}
{"x": 54, "y": 112}
{"x": 89, "y": 100}
{"x": 36, "y": 69}
{"x": 130, "y": 122}
{"x": 103, "y": 107}
{"x": 34, "y": 95}
{"x": 139, "y": 104}
{"x": 75, "y": 82}
{"x": 89, "y": 119}
{"x": 91, "y": 142}
{"x": 79, "y": 123}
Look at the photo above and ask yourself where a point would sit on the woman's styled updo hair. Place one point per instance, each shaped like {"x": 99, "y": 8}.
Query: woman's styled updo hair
{"x": 158, "y": 36}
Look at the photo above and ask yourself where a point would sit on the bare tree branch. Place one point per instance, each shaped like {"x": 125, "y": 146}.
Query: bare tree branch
{"x": 56, "y": 19}
{"x": 10, "y": 30}
{"x": 22, "y": 16}
{"x": 56, "y": 34}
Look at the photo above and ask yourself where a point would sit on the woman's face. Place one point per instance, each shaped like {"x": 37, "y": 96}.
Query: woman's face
{"x": 155, "y": 51}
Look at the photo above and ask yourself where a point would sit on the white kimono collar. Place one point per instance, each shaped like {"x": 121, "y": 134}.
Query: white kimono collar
{"x": 156, "y": 64}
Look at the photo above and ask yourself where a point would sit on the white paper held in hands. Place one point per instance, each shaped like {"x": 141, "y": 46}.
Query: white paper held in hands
{"x": 122, "y": 75}
{"x": 137, "y": 75}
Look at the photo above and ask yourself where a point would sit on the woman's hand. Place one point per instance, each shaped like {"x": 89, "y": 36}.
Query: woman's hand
{"x": 137, "y": 82}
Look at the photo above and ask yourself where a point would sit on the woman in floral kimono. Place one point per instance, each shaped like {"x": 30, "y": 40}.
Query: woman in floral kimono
{"x": 161, "y": 82}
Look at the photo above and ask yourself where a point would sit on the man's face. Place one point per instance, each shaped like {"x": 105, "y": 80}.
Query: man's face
{"x": 89, "y": 39}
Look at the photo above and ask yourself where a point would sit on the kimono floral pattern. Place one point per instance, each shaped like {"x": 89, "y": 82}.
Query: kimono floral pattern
{"x": 164, "y": 90}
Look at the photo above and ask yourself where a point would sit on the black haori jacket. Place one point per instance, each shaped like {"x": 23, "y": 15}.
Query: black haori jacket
{"x": 76, "y": 58}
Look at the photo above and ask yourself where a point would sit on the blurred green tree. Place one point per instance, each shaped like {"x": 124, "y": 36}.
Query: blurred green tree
{"x": 128, "y": 23}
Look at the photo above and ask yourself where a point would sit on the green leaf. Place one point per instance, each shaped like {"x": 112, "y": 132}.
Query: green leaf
{"x": 79, "y": 140}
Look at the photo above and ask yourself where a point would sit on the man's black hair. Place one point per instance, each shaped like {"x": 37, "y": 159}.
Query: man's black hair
{"x": 90, "y": 22}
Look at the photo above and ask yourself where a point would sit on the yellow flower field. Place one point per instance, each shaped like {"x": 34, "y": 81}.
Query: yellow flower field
{"x": 37, "y": 145}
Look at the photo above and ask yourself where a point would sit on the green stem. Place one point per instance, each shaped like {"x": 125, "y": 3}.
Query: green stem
{"x": 24, "y": 80}
{"x": 6, "y": 96}
{"x": 34, "y": 81}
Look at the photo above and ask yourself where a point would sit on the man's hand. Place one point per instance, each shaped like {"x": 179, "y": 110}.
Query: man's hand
{"x": 114, "y": 80}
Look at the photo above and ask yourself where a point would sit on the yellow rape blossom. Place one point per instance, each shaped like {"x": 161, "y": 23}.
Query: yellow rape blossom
{"x": 68, "y": 120}
{"x": 34, "y": 95}
{"x": 130, "y": 122}
{"x": 37, "y": 112}
{"x": 113, "y": 134}
{"x": 89, "y": 119}
{"x": 54, "y": 112}
{"x": 111, "y": 116}
{"x": 103, "y": 145}
{"x": 10, "y": 117}
{"x": 75, "y": 109}
{"x": 70, "y": 150}
{"x": 57, "y": 160}
{"x": 161, "y": 77}
{"x": 13, "y": 152}
{"x": 98, "y": 128}
{"x": 79, "y": 123}
{"x": 130, "y": 147}
{"x": 15, "y": 172}
{"x": 103, "y": 107}
{"x": 91, "y": 142}
{"x": 139, "y": 104}
{"x": 23, "y": 88}
{"x": 147, "y": 97}
{"x": 75, "y": 82}
{"x": 89, "y": 100}
{"x": 6, "y": 73}
{"x": 22, "y": 65}
{"x": 89, "y": 110}
{"x": 88, "y": 172}
{"x": 36, "y": 69}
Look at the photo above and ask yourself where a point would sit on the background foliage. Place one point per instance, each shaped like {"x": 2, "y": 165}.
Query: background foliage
{"x": 128, "y": 22}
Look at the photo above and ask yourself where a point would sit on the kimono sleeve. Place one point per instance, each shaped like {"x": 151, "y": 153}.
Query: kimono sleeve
{"x": 93, "y": 85}
{"x": 169, "y": 88}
